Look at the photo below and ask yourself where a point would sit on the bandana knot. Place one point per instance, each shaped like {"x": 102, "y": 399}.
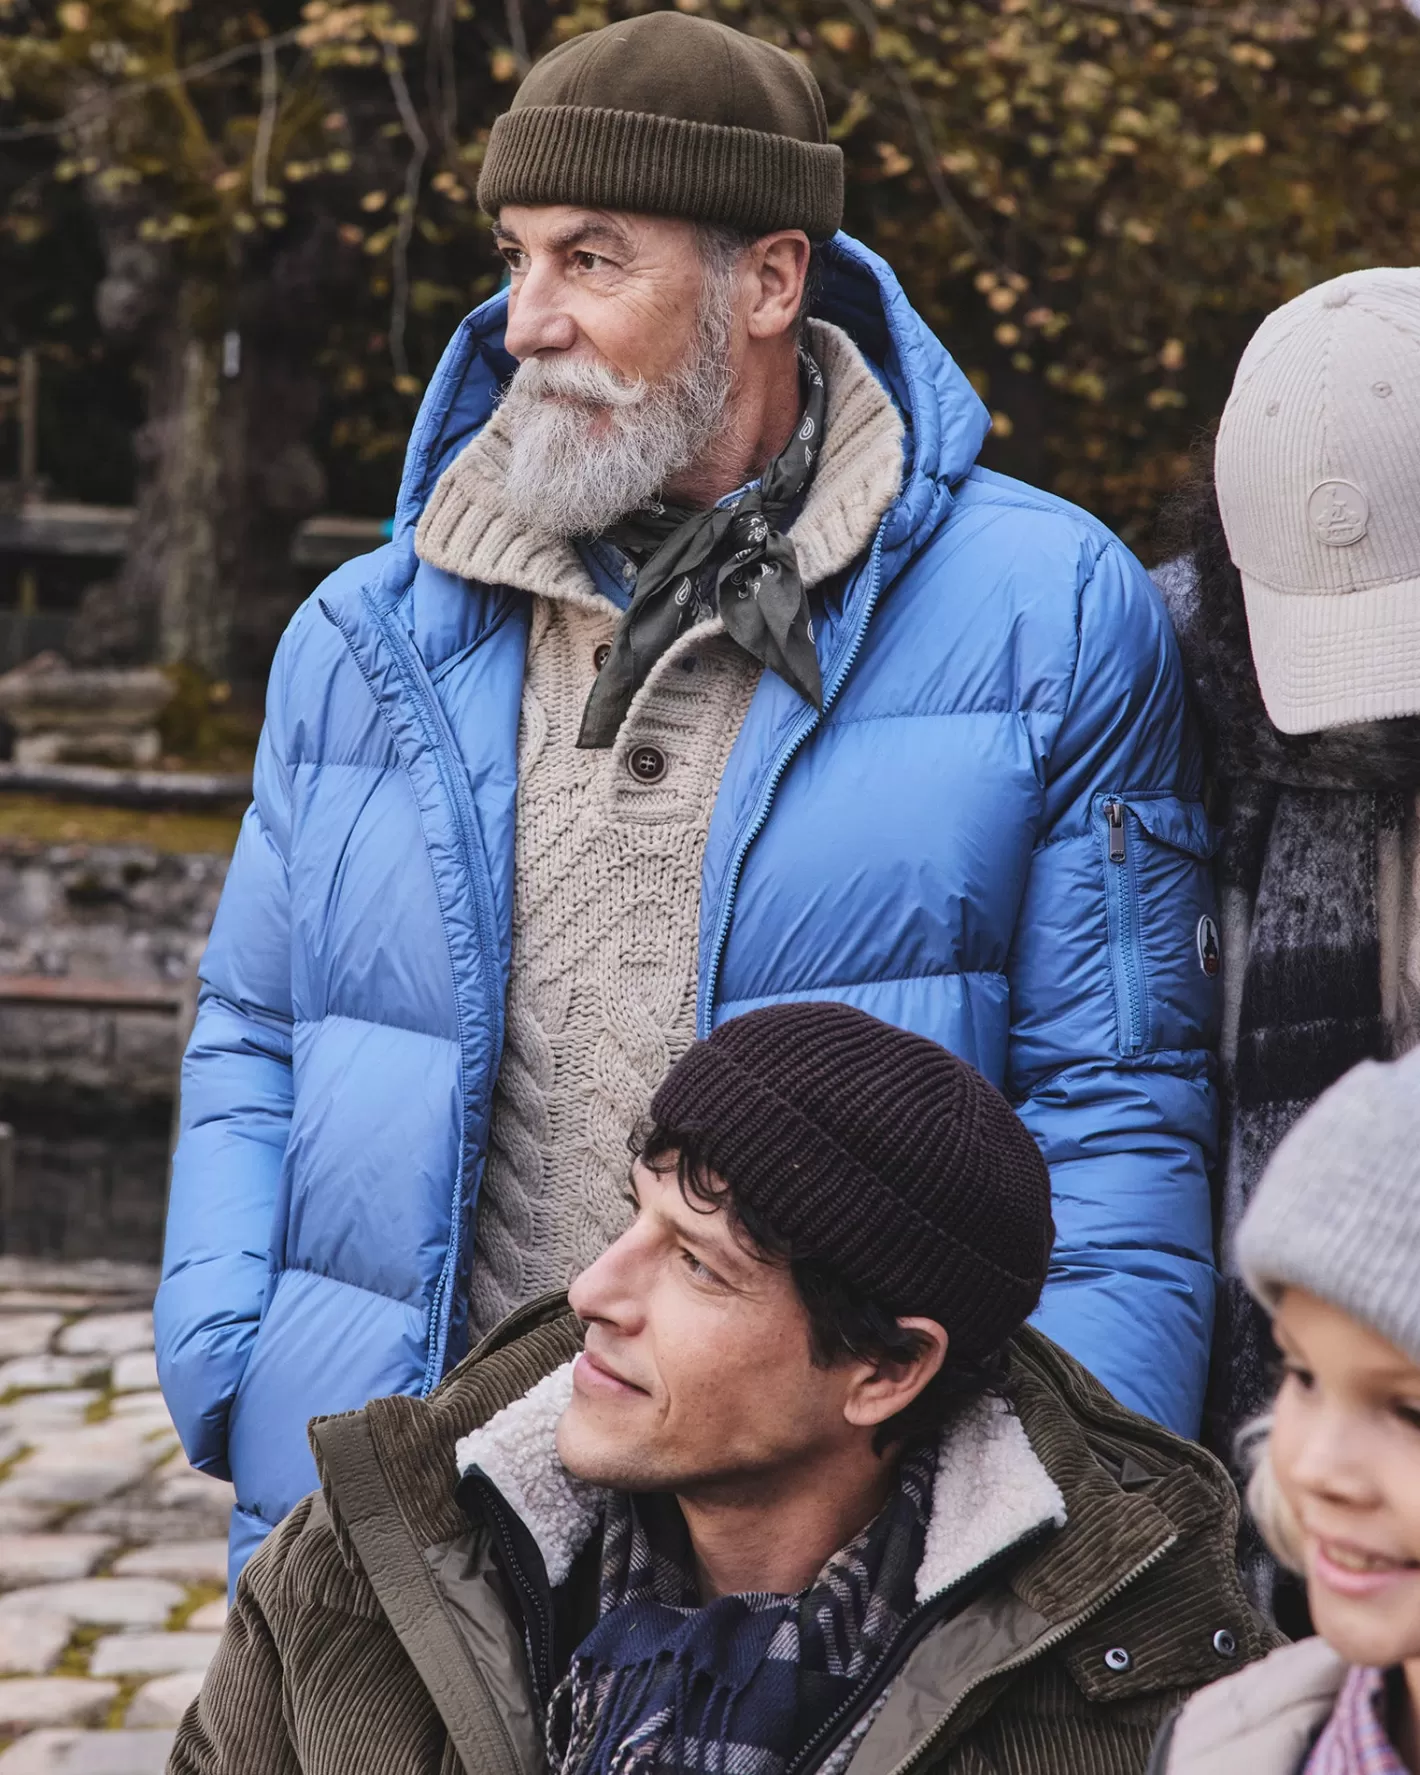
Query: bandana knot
{"x": 730, "y": 561}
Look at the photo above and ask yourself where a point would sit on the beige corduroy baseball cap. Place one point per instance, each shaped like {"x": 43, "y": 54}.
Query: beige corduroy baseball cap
{"x": 1318, "y": 478}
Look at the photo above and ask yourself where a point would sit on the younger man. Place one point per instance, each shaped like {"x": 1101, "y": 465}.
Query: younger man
{"x": 795, "y": 1489}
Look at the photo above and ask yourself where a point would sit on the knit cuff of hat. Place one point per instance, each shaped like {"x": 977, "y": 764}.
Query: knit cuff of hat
{"x": 815, "y": 1196}
{"x": 1335, "y": 1212}
{"x": 662, "y": 166}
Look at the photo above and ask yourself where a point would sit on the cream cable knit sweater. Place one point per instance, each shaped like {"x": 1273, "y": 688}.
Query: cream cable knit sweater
{"x": 606, "y": 891}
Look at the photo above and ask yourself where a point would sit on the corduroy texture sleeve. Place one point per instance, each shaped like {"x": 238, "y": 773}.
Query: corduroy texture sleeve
{"x": 1113, "y": 1007}
{"x": 238, "y": 1723}
{"x": 235, "y": 1119}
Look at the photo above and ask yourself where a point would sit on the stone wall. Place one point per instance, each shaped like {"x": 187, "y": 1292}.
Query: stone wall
{"x": 80, "y": 915}
{"x": 113, "y": 934}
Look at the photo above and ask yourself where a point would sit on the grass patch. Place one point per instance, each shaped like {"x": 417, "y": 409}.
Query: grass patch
{"x": 198, "y": 1596}
{"x": 34, "y": 819}
{"x": 99, "y": 1409}
{"x": 128, "y": 1687}
{"x": 75, "y": 1658}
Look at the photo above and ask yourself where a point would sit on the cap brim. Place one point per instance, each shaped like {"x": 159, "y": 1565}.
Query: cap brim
{"x": 1328, "y": 659}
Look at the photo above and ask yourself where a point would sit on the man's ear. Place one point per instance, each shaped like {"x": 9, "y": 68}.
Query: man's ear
{"x": 887, "y": 1386}
{"x": 778, "y": 268}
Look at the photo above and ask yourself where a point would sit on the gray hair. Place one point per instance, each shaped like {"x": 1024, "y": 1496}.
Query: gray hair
{"x": 722, "y": 248}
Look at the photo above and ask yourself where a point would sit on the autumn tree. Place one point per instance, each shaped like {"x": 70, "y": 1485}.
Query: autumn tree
{"x": 1092, "y": 201}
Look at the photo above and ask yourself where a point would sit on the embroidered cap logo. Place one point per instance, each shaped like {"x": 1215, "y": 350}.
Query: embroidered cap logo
{"x": 1339, "y": 513}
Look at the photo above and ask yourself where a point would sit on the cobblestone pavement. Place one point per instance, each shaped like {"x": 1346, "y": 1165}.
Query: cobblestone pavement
{"x": 112, "y": 1549}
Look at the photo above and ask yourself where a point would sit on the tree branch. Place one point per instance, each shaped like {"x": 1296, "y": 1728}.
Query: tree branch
{"x": 92, "y": 110}
{"x": 414, "y": 173}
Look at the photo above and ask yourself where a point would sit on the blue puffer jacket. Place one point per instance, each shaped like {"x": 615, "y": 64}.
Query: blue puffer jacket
{"x": 991, "y": 835}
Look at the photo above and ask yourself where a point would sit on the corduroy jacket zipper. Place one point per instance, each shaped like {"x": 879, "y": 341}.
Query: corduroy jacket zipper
{"x": 922, "y": 1621}
{"x": 1047, "y": 1642}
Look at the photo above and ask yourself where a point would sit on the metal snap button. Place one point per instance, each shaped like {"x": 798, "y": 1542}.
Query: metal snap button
{"x": 1224, "y": 1644}
{"x": 646, "y": 763}
{"x": 600, "y": 655}
{"x": 1117, "y": 1658}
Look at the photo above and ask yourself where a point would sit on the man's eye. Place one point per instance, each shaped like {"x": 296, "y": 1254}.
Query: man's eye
{"x": 512, "y": 257}
{"x": 1408, "y": 1413}
{"x": 700, "y": 1271}
{"x": 1293, "y": 1371}
{"x": 587, "y": 261}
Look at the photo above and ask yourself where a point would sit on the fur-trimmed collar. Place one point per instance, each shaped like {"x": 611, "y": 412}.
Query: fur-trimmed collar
{"x": 467, "y": 530}
{"x": 991, "y": 1488}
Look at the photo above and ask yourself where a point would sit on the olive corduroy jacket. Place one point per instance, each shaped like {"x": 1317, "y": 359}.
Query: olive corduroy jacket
{"x": 376, "y": 1629}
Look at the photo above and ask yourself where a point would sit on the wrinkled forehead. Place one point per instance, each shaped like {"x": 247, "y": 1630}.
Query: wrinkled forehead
{"x": 564, "y": 228}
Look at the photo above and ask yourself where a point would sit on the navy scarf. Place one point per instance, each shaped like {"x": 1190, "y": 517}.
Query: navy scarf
{"x": 741, "y": 1685}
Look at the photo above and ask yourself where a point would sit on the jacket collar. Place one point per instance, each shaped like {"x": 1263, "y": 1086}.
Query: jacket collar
{"x": 991, "y": 1490}
{"x": 1111, "y": 1491}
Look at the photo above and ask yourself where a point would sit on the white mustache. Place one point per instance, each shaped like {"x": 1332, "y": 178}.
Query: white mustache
{"x": 589, "y": 384}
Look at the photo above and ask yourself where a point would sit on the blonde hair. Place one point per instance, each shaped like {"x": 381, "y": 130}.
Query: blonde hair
{"x": 1267, "y": 1506}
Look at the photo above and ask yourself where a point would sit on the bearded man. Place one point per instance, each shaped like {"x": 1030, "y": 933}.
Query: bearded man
{"x": 705, "y": 670}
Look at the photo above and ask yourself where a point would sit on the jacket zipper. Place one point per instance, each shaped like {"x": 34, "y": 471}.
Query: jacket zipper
{"x": 1043, "y": 1645}
{"x": 442, "y": 745}
{"x": 1122, "y": 895}
{"x": 1114, "y": 815}
{"x": 914, "y": 1630}
{"x": 786, "y": 758}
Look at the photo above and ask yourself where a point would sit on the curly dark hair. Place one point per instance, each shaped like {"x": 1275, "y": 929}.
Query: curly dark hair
{"x": 844, "y": 1322}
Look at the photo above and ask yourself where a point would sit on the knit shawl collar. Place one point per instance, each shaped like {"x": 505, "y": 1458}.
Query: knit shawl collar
{"x": 467, "y": 529}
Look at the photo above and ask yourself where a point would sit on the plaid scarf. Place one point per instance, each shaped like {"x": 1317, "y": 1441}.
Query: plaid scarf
{"x": 742, "y": 1685}
{"x": 731, "y": 560}
{"x": 1298, "y": 874}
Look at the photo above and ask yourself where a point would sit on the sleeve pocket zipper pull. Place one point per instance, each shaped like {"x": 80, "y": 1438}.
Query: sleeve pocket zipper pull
{"x": 1114, "y": 814}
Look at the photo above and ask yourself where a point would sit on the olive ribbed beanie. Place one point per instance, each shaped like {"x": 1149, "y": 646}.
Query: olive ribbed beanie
{"x": 1337, "y": 1212}
{"x": 671, "y": 116}
{"x": 878, "y": 1153}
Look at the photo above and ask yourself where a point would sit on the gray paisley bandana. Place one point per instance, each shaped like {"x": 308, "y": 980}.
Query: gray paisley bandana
{"x": 730, "y": 560}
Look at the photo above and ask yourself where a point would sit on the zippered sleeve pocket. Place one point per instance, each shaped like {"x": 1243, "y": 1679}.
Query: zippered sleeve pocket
{"x": 1163, "y": 938}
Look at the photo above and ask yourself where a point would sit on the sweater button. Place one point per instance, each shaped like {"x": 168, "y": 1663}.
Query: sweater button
{"x": 1117, "y": 1658}
{"x": 646, "y": 763}
{"x": 1224, "y": 1644}
{"x": 601, "y": 655}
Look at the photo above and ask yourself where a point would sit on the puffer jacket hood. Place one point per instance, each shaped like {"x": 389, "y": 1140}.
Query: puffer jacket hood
{"x": 990, "y": 835}
{"x": 1076, "y": 1551}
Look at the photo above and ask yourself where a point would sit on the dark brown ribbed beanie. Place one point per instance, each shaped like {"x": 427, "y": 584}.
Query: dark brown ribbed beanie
{"x": 670, "y": 116}
{"x": 878, "y": 1153}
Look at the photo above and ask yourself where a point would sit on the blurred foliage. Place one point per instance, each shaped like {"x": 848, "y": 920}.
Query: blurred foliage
{"x": 31, "y": 820}
{"x": 202, "y": 725}
{"x": 1092, "y": 201}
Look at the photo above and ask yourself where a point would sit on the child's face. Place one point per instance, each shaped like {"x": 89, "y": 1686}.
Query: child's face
{"x": 1346, "y": 1453}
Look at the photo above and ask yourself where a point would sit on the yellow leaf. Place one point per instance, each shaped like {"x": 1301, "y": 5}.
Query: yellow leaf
{"x": 1002, "y": 424}
{"x": 1173, "y": 356}
{"x": 374, "y": 200}
{"x": 838, "y": 34}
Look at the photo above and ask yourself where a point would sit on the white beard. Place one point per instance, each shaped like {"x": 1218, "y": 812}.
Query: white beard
{"x": 606, "y": 446}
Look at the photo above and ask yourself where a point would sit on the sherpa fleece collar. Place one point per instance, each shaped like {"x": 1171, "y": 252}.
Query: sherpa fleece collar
{"x": 991, "y": 1490}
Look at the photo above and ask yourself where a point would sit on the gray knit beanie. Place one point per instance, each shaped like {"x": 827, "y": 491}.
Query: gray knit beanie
{"x": 1338, "y": 1210}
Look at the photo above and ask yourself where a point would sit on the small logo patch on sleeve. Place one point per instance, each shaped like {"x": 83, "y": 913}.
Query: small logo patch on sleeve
{"x": 1210, "y": 956}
